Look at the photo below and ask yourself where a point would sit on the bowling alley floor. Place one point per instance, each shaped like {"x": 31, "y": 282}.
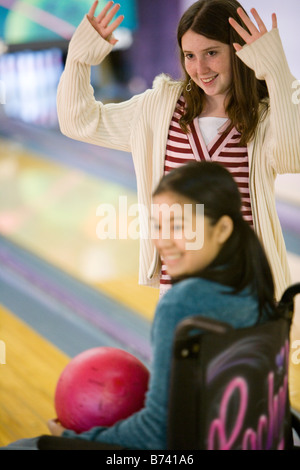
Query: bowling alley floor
{"x": 62, "y": 289}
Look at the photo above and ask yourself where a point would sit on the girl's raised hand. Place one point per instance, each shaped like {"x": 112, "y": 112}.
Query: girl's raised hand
{"x": 256, "y": 31}
{"x": 101, "y": 22}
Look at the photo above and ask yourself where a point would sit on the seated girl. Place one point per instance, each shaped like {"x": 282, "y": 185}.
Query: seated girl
{"x": 218, "y": 269}
{"x": 222, "y": 272}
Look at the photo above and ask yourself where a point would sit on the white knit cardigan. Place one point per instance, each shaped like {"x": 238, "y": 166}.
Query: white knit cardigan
{"x": 140, "y": 126}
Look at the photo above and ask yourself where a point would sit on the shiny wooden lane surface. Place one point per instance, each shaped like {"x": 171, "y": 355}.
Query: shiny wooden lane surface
{"x": 27, "y": 380}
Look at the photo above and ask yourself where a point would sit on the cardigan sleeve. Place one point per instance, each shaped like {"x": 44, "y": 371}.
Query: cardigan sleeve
{"x": 80, "y": 116}
{"x": 267, "y": 58}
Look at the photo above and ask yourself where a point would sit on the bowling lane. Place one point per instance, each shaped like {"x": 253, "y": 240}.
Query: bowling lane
{"x": 51, "y": 188}
{"x": 29, "y": 372}
{"x": 62, "y": 290}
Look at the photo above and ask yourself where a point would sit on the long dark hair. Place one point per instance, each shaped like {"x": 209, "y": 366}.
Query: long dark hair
{"x": 210, "y": 19}
{"x": 241, "y": 262}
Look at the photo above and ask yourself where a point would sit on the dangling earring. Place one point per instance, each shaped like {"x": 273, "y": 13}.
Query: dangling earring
{"x": 189, "y": 86}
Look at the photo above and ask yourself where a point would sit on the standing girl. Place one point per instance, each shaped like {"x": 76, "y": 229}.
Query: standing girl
{"x": 234, "y": 106}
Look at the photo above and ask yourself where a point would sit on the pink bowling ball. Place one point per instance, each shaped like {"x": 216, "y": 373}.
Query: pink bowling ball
{"x": 99, "y": 387}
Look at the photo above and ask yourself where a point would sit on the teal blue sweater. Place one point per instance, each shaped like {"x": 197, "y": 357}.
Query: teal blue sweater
{"x": 146, "y": 429}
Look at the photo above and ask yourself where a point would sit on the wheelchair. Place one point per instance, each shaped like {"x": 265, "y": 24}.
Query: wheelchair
{"x": 228, "y": 389}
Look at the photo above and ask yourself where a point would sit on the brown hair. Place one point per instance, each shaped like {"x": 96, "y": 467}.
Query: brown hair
{"x": 210, "y": 19}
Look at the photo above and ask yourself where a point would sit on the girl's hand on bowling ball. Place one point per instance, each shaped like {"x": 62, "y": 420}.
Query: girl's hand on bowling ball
{"x": 102, "y": 22}
{"x": 55, "y": 427}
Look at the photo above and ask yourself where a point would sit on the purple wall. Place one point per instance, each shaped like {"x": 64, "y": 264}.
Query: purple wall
{"x": 155, "y": 48}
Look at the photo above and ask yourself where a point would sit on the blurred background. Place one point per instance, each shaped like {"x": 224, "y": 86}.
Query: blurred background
{"x": 62, "y": 290}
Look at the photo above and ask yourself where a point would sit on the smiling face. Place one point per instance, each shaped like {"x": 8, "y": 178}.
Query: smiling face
{"x": 190, "y": 242}
{"x": 208, "y": 63}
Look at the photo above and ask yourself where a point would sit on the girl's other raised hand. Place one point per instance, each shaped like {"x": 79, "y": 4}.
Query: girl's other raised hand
{"x": 102, "y": 22}
{"x": 256, "y": 31}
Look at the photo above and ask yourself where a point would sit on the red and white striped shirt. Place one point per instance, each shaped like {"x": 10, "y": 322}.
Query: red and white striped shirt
{"x": 224, "y": 148}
